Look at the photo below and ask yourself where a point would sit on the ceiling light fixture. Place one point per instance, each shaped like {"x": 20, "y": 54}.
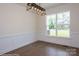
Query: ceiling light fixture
{"x": 39, "y": 10}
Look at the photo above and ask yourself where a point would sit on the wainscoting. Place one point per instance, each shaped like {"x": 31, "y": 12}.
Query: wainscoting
{"x": 12, "y": 42}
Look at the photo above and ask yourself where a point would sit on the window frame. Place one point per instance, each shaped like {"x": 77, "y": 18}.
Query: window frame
{"x": 57, "y": 25}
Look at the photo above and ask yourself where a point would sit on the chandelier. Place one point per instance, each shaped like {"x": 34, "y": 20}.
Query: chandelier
{"x": 38, "y": 9}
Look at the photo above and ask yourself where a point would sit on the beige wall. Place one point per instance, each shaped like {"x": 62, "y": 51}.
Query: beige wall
{"x": 15, "y": 19}
{"x": 74, "y": 26}
{"x": 17, "y": 27}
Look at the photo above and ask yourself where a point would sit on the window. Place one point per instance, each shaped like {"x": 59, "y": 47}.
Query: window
{"x": 59, "y": 24}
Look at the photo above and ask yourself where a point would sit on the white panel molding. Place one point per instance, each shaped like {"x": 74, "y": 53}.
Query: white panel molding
{"x": 12, "y": 42}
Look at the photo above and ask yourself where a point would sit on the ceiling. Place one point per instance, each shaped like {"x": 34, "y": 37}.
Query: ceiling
{"x": 49, "y": 5}
{"x": 44, "y": 5}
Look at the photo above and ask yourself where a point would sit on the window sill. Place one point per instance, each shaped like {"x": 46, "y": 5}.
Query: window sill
{"x": 57, "y": 37}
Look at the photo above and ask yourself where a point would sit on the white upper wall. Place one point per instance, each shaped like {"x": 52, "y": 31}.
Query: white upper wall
{"x": 74, "y": 29}
{"x": 15, "y": 19}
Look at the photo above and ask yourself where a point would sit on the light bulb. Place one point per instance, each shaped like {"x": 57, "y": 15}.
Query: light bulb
{"x": 38, "y": 13}
{"x": 32, "y": 7}
{"x": 39, "y": 10}
{"x": 35, "y": 8}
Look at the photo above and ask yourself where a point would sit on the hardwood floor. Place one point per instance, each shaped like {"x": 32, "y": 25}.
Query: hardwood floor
{"x": 44, "y": 49}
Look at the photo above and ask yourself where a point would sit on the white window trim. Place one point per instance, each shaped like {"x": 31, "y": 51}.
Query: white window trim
{"x": 56, "y": 30}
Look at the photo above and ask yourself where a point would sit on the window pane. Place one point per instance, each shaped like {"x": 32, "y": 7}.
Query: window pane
{"x": 52, "y": 32}
{"x": 63, "y": 18}
{"x": 51, "y": 25}
{"x": 63, "y": 33}
{"x": 66, "y": 17}
{"x": 63, "y": 22}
